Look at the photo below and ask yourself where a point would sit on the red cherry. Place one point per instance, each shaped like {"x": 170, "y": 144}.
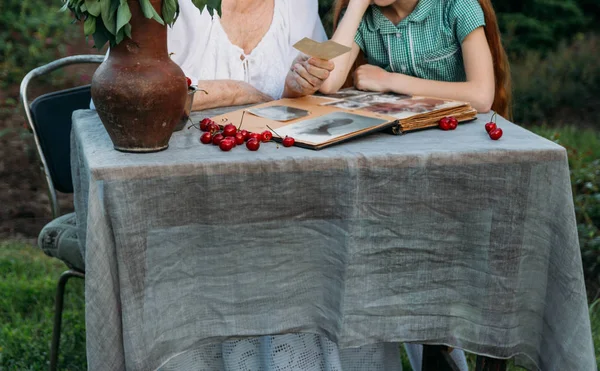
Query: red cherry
{"x": 231, "y": 139}
{"x": 288, "y": 141}
{"x": 490, "y": 126}
{"x": 245, "y": 133}
{"x": 253, "y": 144}
{"x": 213, "y": 127}
{"x": 226, "y": 145}
{"x": 204, "y": 124}
{"x": 256, "y": 136}
{"x": 266, "y": 136}
{"x": 453, "y": 122}
{"x": 239, "y": 138}
{"x": 496, "y": 134}
{"x": 189, "y": 81}
{"x": 229, "y": 130}
{"x": 217, "y": 139}
{"x": 206, "y": 138}
{"x": 444, "y": 123}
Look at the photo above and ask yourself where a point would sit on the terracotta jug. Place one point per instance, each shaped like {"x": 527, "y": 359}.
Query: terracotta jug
{"x": 138, "y": 91}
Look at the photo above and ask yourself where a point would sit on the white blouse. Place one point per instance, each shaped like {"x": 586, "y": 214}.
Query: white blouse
{"x": 202, "y": 49}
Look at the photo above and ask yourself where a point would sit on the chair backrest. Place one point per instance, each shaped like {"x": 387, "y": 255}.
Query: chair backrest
{"x": 49, "y": 117}
{"x": 51, "y": 114}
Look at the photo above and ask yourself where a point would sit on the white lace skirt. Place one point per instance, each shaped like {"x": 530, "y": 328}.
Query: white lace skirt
{"x": 297, "y": 352}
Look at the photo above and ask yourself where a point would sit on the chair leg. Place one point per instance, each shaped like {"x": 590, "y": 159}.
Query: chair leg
{"x": 58, "y": 308}
{"x": 437, "y": 358}
{"x": 490, "y": 364}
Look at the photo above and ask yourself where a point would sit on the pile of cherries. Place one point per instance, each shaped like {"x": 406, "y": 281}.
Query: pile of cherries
{"x": 230, "y": 137}
{"x": 448, "y": 123}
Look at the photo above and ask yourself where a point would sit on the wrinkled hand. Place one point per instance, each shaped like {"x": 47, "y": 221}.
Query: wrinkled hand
{"x": 308, "y": 74}
{"x": 371, "y": 78}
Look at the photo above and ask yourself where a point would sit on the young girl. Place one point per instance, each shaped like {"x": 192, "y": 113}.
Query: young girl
{"x": 442, "y": 48}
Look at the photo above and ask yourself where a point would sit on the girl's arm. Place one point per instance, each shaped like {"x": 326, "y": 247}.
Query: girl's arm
{"x": 223, "y": 93}
{"x": 345, "y": 35}
{"x": 477, "y": 90}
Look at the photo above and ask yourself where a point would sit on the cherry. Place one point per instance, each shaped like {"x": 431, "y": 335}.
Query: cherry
{"x": 204, "y": 124}
{"x": 226, "y": 145}
{"x": 253, "y": 144}
{"x": 217, "y": 139}
{"x": 189, "y": 81}
{"x": 453, "y": 122}
{"x": 239, "y": 138}
{"x": 444, "y": 123}
{"x": 266, "y": 136}
{"x": 496, "y": 134}
{"x": 490, "y": 126}
{"x": 213, "y": 127}
{"x": 288, "y": 141}
{"x": 245, "y": 133}
{"x": 206, "y": 138}
{"x": 229, "y": 130}
{"x": 256, "y": 136}
{"x": 231, "y": 139}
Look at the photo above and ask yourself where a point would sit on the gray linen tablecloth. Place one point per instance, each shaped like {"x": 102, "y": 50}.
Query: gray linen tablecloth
{"x": 436, "y": 237}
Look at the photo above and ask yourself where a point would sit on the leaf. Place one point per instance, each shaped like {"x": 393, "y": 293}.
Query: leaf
{"x": 216, "y": 5}
{"x": 101, "y": 36}
{"x": 120, "y": 36}
{"x": 108, "y": 16}
{"x": 93, "y": 7}
{"x": 211, "y": 4}
{"x": 89, "y": 26}
{"x": 150, "y": 12}
{"x": 123, "y": 15}
{"x": 127, "y": 29}
{"x": 169, "y": 11}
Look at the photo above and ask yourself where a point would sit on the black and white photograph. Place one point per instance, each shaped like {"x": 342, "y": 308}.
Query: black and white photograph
{"x": 279, "y": 113}
{"x": 378, "y": 98}
{"x": 347, "y": 104}
{"x": 348, "y": 93}
{"x": 410, "y": 107}
{"x": 327, "y": 127}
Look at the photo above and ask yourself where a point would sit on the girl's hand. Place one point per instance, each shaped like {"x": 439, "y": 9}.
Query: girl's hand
{"x": 371, "y": 78}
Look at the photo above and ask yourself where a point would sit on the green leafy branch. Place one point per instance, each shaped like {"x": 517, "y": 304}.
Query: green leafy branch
{"x": 108, "y": 20}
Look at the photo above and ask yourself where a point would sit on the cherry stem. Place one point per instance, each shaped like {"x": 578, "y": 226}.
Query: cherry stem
{"x": 268, "y": 127}
{"x": 493, "y": 117}
{"x": 241, "y": 120}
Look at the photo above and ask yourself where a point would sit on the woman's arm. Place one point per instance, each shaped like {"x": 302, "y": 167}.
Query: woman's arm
{"x": 227, "y": 93}
{"x": 477, "y": 90}
{"x": 345, "y": 35}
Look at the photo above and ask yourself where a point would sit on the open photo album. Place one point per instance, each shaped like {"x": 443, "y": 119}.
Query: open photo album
{"x": 316, "y": 122}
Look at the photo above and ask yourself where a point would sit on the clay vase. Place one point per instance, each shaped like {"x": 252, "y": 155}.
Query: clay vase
{"x": 138, "y": 91}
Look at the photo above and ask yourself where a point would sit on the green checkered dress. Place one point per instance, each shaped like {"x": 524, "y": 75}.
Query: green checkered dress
{"x": 426, "y": 44}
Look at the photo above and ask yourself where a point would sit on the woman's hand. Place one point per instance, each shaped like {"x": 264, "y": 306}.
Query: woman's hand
{"x": 371, "y": 78}
{"x": 306, "y": 76}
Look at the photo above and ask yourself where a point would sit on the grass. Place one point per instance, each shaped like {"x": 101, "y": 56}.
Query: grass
{"x": 28, "y": 281}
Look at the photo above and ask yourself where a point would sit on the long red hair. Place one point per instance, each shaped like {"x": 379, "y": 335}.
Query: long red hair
{"x": 502, "y": 96}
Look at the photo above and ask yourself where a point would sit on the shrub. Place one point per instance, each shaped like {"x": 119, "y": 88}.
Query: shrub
{"x": 563, "y": 85}
{"x": 33, "y": 32}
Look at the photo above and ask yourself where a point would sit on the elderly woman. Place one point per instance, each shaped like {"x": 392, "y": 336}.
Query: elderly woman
{"x": 246, "y": 56}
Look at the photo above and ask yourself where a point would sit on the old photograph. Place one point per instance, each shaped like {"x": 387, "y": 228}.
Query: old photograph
{"x": 325, "y": 128}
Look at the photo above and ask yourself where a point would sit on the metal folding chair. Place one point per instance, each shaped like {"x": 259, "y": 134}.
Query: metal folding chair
{"x": 49, "y": 118}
